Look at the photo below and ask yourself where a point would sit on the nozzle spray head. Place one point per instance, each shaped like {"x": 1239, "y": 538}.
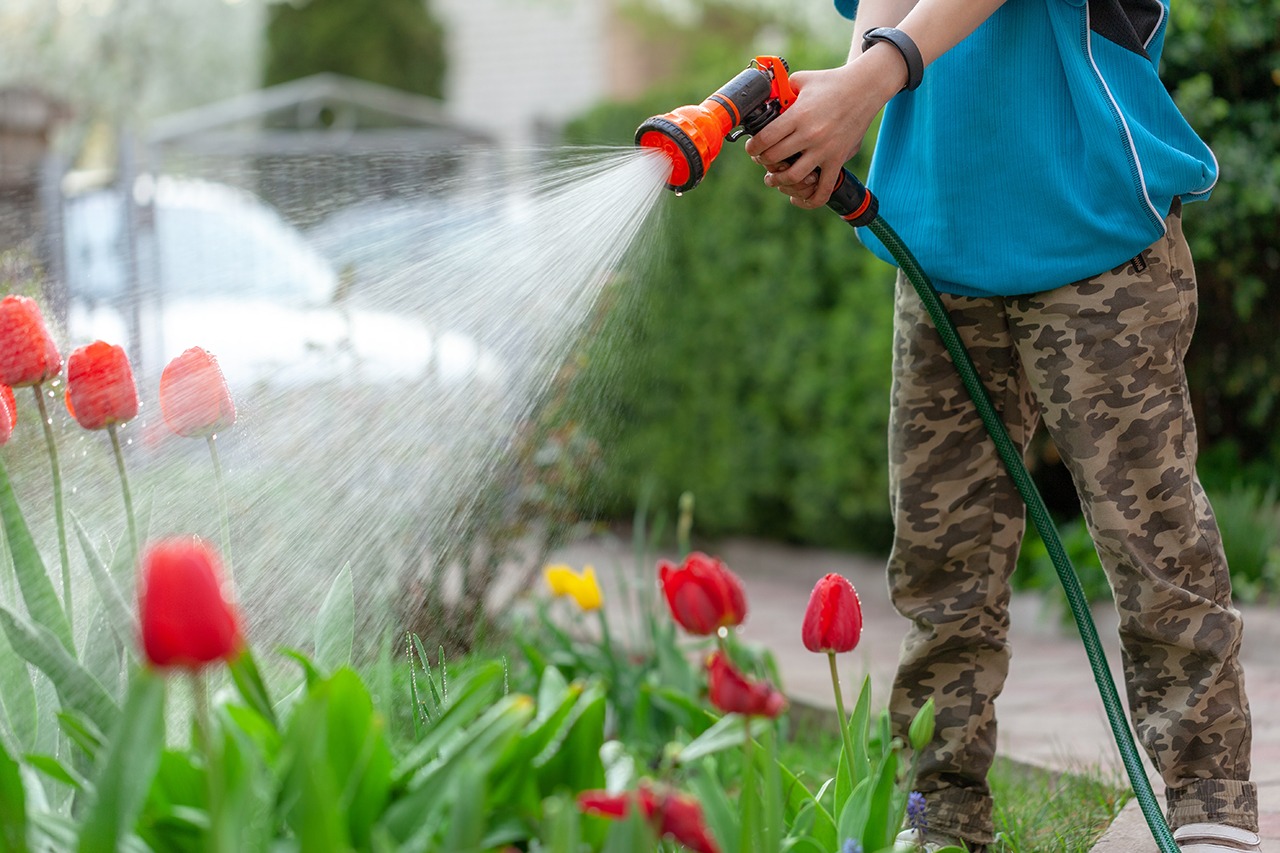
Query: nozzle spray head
{"x": 692, "y": 136}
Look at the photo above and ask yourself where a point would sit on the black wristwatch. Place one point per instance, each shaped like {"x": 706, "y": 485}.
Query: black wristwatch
{"x": 906, "y": 47}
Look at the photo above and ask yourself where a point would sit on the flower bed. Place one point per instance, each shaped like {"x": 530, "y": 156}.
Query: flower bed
{"x": 585, "y": 745}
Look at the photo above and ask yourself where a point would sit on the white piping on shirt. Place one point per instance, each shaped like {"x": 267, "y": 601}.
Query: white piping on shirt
{"x": 1142, "y": 179}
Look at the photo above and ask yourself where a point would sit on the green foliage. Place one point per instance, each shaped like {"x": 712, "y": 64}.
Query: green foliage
{"x": 397, "y": 43}
{"x": 1222, "y": 63}
{"x": 1248, "y": 518}
{"x": 1036, "y": 570}
{"x": 751, "y": 362}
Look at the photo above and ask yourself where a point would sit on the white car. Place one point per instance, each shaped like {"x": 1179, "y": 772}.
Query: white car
{"x": 219, "y": 269}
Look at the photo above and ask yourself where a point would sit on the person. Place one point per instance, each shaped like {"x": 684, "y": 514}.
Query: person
{"x": 1033, "y": 161}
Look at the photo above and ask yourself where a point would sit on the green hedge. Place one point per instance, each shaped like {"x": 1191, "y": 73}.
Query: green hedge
{"x": 749, "y": 364}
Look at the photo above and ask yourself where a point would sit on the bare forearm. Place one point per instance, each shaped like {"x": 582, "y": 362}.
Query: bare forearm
{"x": 935, "y": 26}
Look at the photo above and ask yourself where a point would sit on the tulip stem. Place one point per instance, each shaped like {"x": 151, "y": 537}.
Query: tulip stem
{"x": 225, "y": 520}
{"x": 844, "y": 721}
{"x": 58, "y": 510}
{"x": 124, "y": 487}
{"x": 204, "y": 736}
{"x": 750, "y": 829}
{"x": 606, "y": 640}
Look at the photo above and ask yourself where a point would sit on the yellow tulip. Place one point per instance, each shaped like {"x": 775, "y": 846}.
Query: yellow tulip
{"x": 582, "y": 588}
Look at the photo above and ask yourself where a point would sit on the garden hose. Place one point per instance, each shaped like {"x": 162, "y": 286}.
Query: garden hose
{"x": 691, "y": 137}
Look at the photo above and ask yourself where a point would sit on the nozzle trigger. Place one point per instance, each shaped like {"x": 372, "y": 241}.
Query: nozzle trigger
{"x": 736, "y": 134}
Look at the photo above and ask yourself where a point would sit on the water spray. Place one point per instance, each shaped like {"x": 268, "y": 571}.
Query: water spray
{"x": 691, "y": 137}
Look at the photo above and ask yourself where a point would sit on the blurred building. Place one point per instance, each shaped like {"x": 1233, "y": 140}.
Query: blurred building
{"x": 28, "y": 118}
{"x": 520, "y": 68}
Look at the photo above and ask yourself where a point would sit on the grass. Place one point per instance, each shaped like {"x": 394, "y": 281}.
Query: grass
{"x": 1036, "y": 810}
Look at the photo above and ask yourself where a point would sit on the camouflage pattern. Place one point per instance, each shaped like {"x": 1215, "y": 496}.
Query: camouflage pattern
{"x": 1100, "y": 363}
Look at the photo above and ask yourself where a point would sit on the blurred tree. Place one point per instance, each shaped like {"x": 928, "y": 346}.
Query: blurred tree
{"x": 1222, "y": 63}
{"x": 120, "y": 63}
{"x": 397, "y": 43}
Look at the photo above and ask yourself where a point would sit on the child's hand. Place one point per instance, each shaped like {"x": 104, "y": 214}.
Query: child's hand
{"x": 826, "y": 124}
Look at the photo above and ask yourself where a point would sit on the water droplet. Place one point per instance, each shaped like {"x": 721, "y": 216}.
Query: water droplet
{"x": 679, "y": 194}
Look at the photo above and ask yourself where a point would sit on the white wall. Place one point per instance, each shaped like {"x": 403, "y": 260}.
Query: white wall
{"x": 515, "y": 63}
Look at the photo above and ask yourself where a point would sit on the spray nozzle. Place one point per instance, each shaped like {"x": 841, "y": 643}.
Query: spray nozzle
{"x": 691, "y": 136}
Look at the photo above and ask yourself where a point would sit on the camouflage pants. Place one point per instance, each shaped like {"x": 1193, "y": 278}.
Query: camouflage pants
{"x": 1100, "y": 362}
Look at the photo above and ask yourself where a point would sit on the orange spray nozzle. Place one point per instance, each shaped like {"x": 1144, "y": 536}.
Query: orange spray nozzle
{"x": 692, "y": 136}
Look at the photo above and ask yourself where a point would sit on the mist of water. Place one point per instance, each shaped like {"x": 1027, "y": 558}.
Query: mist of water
{"x": 454, "y": 309}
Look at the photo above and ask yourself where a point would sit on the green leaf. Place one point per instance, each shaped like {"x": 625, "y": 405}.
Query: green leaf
{"x": 479, "y": 691}
{"x": 17, "y": 695}
{"x": 808, "y": 807}
{"x": 851, "y": 820}
{"x": 552, "y": 691}
{"x": 56, "y": 770}
{"x": 479, "y": 743}
{"x": 76, "y": 687}
{"x": 82, "y": 732}
{"x": 249, "y": 683}
{"x": 128, "y": 766}
{"x": 564, "y": 825}
{"x": 335, "y": 626}
{"x": 238, "y": 817}
{"x": 13, "y": 804}
{"x": 882, "y": 822}
{"x": 726, "y": 733}
{"x": 336, "y": 757}
{"x": 572, "y": 757}
{"x": 437, "y": 693}
{"x": 859, "y": 762}
{"x": 551, "y": 724}
{"x": 37, "y": 590}
{"x": 467, "y": 817}
{"x": 100, "y": 652}
{"x": 719, "y": 809}
{"x": 771, "y": 792}
{"x": 120, "y": 615}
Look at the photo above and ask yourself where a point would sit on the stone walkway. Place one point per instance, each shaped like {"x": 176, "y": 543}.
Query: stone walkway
{"x": 1050, "y": 713}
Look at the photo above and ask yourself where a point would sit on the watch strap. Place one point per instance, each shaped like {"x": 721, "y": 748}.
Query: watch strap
{"x": 906, "y": 47}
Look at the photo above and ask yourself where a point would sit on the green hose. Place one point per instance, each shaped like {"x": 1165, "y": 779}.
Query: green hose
{"x": 1012, "y": 459}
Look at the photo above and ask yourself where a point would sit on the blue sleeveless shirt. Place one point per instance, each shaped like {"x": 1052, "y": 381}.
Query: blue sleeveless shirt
{"x": 1041, "y": 150}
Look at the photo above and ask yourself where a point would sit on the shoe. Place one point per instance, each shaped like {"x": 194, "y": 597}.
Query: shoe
{"x": 915, "y": 841}
{"x": 1216, "y": 838}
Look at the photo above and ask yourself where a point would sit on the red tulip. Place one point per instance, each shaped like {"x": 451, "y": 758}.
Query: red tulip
{"x": 194, "y": 398}
{"x": 28, "y": 355}
{"x": 673, "y": 814}
{"x": 734, "y": 693}
{"x": 833, "y": 620}
{"x": 100, "y": 387}
{"x": 704, "y": 596}
{"x": 8, "y": 413}
{"x": 186, "y": 621}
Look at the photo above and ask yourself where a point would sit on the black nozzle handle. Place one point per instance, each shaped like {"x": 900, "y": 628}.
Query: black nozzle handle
{"x": 853, "y": 201}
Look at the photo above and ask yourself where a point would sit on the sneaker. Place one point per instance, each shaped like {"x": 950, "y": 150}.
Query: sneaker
{"x": 1216, "y": 838}
{"x": 915, "y": 841}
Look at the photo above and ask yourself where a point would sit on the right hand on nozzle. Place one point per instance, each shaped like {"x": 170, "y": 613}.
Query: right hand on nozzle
{"x": 804, "y": 149}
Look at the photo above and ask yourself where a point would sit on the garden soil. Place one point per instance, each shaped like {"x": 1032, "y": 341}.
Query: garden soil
{"x": 1050, "y": 714}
